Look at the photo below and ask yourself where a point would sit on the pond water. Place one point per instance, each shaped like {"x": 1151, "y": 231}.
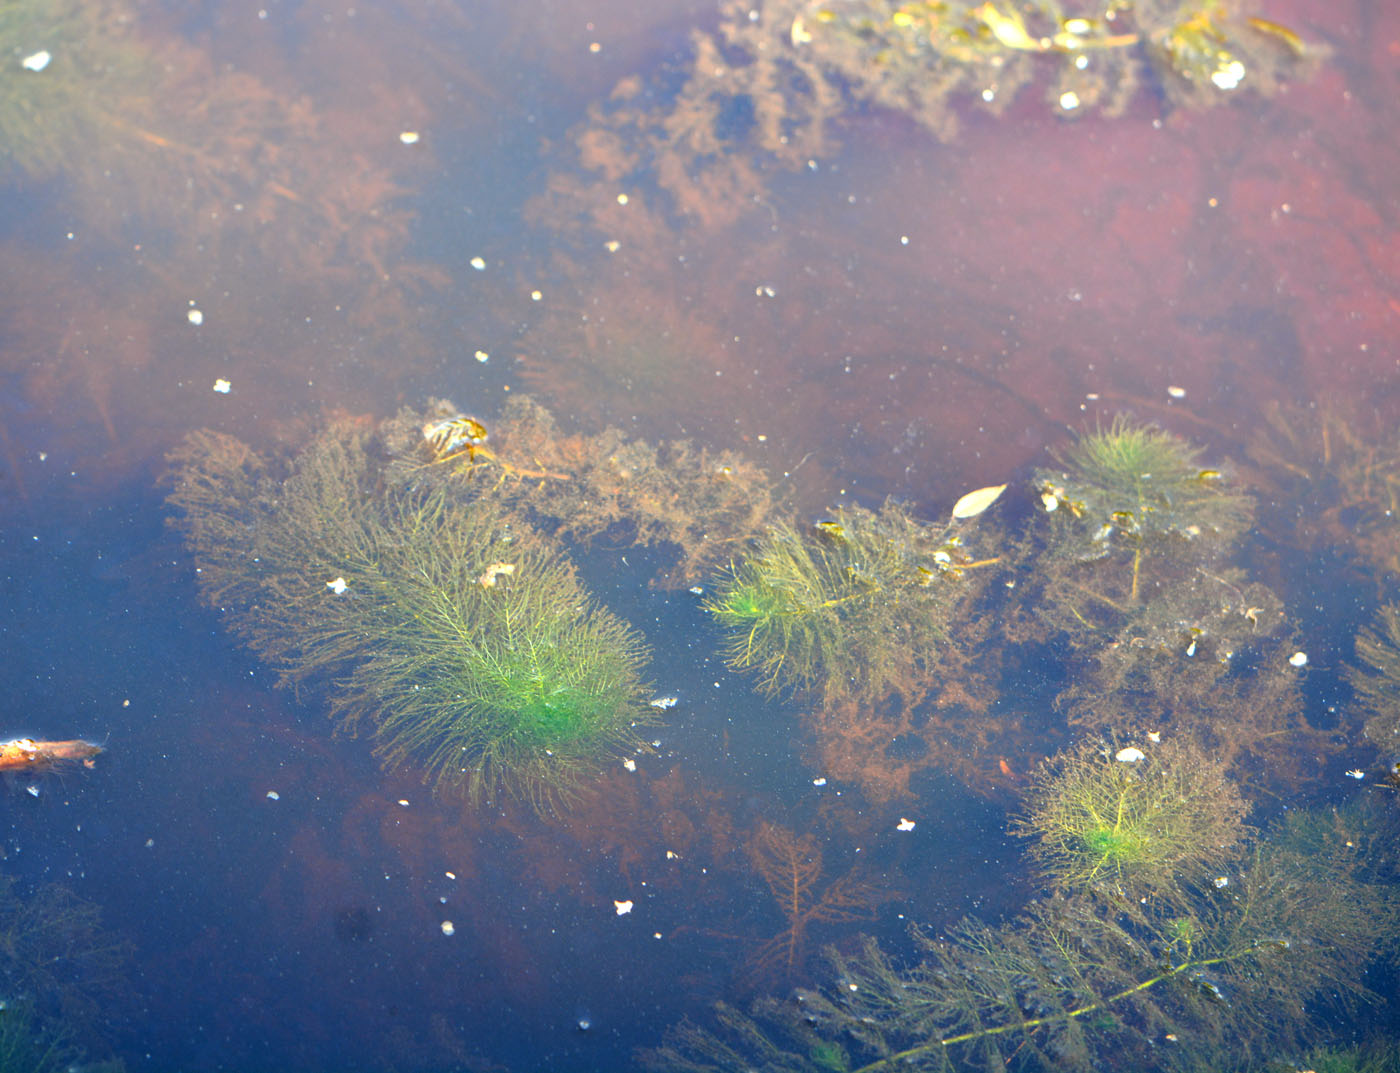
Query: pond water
{"x": 1138, "y": 262}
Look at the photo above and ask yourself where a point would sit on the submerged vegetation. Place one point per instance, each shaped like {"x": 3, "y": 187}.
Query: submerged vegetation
{"x": 459, "y": 636}
{"x": 1139, "y": 822}
{"x": 420, "y": 574}
{"x": 794, "y": 69}
{"x": 1081, "y": 979}
{"x": 1377, "y": 678}
{"x": 853, "y": 606}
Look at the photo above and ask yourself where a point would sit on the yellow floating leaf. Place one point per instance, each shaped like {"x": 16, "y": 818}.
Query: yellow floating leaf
{"x": 974, "y": 503}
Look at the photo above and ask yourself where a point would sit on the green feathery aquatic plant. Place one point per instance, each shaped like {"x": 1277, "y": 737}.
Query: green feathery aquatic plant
{"x": 1376, "y": 678}
{"x": 1134, "y": 491}
{"x": 1235, "y": 969}
{"x": 1133, "y": 821}
{"x": 859, "y": 604}
{"x": 455, "y": 634}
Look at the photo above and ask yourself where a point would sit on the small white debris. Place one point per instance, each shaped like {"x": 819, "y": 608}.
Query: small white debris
{"x": 819, "y": 781}
{"x": 1176, "y": 392}
{"x": 1221, "y": 882}
{"x": 664, "y": 701}
{"x": 1050, "y": 501}
{"x": 697, "y": 590}
{"x": 32, "y": 789}
{"x": 150, "y": 843}
{"x": 536, "y": 296}
{"x": 195, "y": 317}
{"x": 1154, "y": 736}
{"x": 450, "y": 875}
{"x": 904, "y": 824}
{"x": 1069, "y": 100}
{"x": 623, "y": 908}
{"x": 222, "y": 386}
{"x": 483, "y": 357}
{"x": 403, "y": 802}
{"x": 1129, "y": 755}
{"x": 479, "y": 263}
{"x": 36, "y": 61}
{"x": 1229, "y": 76}
{"x": 273, "y": 795}
{"x": 630, "y": 764}
{"x": 408, "y": 137}
{"x": 1356, "y": 773}
{"x": 612, "y": 245}
{"x": 447, "y": 928}
{"x": 1298, "y": 659}
{"x": 338, "y": 586}
{"x": 622, "y": 199}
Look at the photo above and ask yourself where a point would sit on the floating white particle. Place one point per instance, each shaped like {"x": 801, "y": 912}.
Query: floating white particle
{"x": 664, "y": 701}
{"x": 1080, "y": 62}
{"x": 656, "y": 935}
{"x": 150, "y": 843}
{"x": 820, "y": 781}
{"x": 1298, "y": 659}
{"x": 483, "y": 357}
{"x": 623, "y": 908}
{"x": 989, "y": 95}
{"x": 447, "y": 928}
{"x": 1130, "y": 755}
{"x": 1069, "y": 100}
{"x": 450, "y": 875}
{"x": 32, "y": 789}
{"x": 697, "y": 590}
{"x": 479, "y": 263}
{"x": 536, "y": 296}
{"x": 403, "y": 802}
{"x": 630, "y": 764}
{"x": 1154, "y": 736}
{"x": 338, "y": 586}
{"x": 1229, "y": 76}
{"x": 273, "y": 795}
{"x": 222, "y": 386}
{"x": 1356, "y": 773}
{"x": 195, "y": 317}
{"x": 36, "y": 61}
{"x": 904, "y": 824}
{"x": 622, "y": 199}
{"x": 408, "y": 137}
{"x": 1221, "y": 882}
{"x": 612, "y": 245}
